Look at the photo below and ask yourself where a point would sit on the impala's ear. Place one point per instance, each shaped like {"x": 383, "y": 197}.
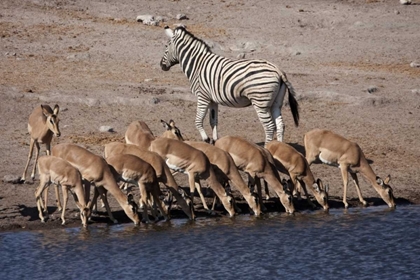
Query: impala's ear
{"x": 387, "y": 179}
{"x": 172, "y": 123}
{"x": 169, "y": 32}
{"x": 165, "y": 125}
{"x": 56, "y": 109}
{"x": 316, "y": 187}
{"x": 45, "y": 111}
{"x": 327, "y": 187}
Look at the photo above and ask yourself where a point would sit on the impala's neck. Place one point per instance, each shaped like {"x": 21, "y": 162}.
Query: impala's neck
{"x": 109, "y": 183}
{"x": 366, "y": 170}
{"x": 273, "y": 181}
{"x": 167, "y": 178}
{"x": 308, "y": 178}
{"x": 80, "y": 193}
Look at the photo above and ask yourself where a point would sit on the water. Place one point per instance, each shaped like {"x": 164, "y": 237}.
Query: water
{"x": 361, "y": 243}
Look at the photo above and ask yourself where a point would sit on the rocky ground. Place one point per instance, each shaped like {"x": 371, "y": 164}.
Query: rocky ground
{"x": 354, "y": 65}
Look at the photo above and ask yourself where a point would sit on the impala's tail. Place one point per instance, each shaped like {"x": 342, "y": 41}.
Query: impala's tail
{"x": 294, "y": 106}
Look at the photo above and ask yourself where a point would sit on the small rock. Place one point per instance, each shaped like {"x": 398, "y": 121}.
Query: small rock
{"x": 142, "y": 18}
{"x": 405, "y": 2}
{"x": 149, "y": 20}
{"x": 11, "y": 179}
{"x": 416, "y": 91}
{"x": 240, "y": 56}
{"x": 414, "y": 64}
{"x": 106, "y": 128}
{"x": 154, "y": 100}
{"x": 396, "y": 12}
{"x": 148, "y": 80}
{"x": 181, "y": 17}
{"x": 372, "y": 89}
{"x": 297, "y": 53}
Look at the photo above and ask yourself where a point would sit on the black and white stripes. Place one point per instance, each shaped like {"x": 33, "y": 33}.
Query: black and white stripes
{"x": 234, "y": 83}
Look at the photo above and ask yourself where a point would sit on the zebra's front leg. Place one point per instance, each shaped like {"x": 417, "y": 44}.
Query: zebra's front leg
{"x": 202, "y": 106}
{"x": 214, "y": 110}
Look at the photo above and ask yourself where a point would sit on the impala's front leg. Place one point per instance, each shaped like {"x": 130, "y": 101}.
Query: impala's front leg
{"x": 344, "y": 174}
{"x": 202, "y": 106}
{"x": 103, "y": 195}
{"x": 65, "y": 200}
{"x": 359, "y": 192}
{"x": 38, "y": 196}
{"x": 214, "y": 109}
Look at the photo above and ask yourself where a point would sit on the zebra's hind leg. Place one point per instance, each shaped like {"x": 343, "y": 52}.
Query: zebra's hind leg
{"x": 266, "y": 119}
{"x": 276, "y": 113}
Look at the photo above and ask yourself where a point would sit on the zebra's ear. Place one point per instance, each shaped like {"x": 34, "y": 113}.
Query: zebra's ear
{"x": 169, "y": 32}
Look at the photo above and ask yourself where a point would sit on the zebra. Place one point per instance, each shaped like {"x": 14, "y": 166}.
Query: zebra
{"x": 235, "y": 83}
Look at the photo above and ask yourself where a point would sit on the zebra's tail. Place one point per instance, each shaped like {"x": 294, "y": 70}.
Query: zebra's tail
{"x": 294, "y": 106}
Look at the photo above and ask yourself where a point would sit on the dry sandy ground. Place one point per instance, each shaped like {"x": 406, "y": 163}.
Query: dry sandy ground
{"x": 102, "y": 68}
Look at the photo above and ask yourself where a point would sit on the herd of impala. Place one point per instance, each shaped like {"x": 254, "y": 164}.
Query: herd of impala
{"x": 146, "y": 160}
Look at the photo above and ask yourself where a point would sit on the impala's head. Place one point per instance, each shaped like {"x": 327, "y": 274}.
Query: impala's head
{"x": 170, "y": 56}
{"x": 385, "y": 191}
{"x": 321, "y": 193}
{"x": 131, "y": 209}
{"x": 229, "y": 204}
{"x": 84, "y": 213}
{"x": 84, "y": 216}
{"x": 52, "y": 119}
{"x": 172, "y": 131}
{"x": 254, "y": 203}
{"x": 189, "y": 202}
{"x": 286, "y": 197}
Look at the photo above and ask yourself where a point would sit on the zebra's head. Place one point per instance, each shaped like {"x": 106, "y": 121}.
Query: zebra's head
{"x": 170, "y": 57}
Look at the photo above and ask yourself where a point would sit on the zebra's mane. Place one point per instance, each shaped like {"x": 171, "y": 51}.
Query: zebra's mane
{"x": 192, "y": 36}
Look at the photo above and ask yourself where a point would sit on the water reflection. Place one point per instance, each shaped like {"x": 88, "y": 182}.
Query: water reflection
{"x": 363, "y": 243}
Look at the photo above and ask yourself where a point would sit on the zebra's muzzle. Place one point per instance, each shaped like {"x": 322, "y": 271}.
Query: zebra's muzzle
{"x": 164, "y": 66}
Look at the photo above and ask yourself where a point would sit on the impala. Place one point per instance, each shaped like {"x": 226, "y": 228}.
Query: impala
{"x": 138, "y": 133}
{"x": 226, "y": 171}
{"x": 58, "y": 171}
{"x": 287, "y": 159}
{"x": 42, "y": 125}
{"x": 253, "y": 160}
{"x": 95, "y": 169}
{"x": 162, "y": 171}
{"x": 136, "y": 171}
{"x": 333, "y": 149}
{"x": 183, "y": 158}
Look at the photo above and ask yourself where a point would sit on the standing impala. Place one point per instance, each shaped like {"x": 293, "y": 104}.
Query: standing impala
{"x": 136, "y": 171}
{"x": 254, "y": 160}
{"x": 163, "y": 173}
{"x": 183, "y": 158}
{"x": 58, "y": 171}
{"x": 333, "y": 149}
{"x": 295, "y": 164}
{"x": 42, "y": 125}
{"x": 94, "y": 169}
{"x": 226, "y": 170}
{"x": 138, "y": 133}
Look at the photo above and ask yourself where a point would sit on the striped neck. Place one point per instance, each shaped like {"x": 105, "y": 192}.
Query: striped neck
{"x": 191, "y": 50}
